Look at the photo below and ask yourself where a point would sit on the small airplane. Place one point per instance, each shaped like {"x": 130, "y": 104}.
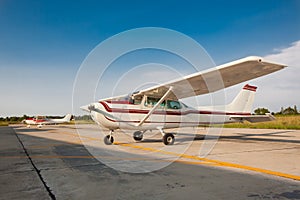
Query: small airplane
{"x": 159, "y": 108}
{"x": 41, "y": 120}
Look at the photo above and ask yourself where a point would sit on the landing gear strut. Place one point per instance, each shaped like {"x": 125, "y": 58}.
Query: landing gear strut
{"x": 138, "y": 135}
{"x": 109, "y": 139}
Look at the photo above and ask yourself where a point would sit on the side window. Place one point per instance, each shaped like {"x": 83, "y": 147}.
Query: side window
{"x": 137, "y": 100}
{"x": 163, "y": 104}
{"x": 150, "y": 102}
{"x": 173, "y": 105}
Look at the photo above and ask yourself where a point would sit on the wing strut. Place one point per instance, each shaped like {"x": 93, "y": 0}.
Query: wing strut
{"x": 156, "y": 105}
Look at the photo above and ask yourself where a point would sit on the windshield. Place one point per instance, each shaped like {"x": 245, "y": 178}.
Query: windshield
{"x": 151, "y": 101}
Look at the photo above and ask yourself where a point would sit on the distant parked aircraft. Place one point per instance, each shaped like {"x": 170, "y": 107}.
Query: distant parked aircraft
{"x": 40, "y": 120}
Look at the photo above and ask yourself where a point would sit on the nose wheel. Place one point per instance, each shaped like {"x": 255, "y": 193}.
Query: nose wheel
{"x": 109, "y": 139}
{"x": 138, "y": 135}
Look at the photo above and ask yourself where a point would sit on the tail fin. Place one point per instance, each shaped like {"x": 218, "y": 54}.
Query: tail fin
{"x": 243, "y": 102}
{"x": 67, "y": 118}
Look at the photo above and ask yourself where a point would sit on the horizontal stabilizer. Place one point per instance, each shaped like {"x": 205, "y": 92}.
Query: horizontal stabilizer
{"x": 255, "y": 118}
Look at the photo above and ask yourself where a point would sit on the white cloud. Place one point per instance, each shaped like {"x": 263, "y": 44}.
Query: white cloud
{"x": 279, "y": 89}
{"x": 289, "y": 56}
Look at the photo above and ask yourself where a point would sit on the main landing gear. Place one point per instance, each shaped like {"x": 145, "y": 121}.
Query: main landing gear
{"x": 109, "y": 139}
{"x": 168, "y": 138}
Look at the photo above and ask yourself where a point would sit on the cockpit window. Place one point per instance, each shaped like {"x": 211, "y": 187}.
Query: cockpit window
{"x": 173, "y": 104}
{"x": 137, "y": 100}
{"x": 170, "y": 104}
{"x": 151, "y": 101}
{"x": 129, "y": 98}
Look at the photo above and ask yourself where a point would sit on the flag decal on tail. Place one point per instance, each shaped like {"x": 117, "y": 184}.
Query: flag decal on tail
{"x": 250, "y": 87}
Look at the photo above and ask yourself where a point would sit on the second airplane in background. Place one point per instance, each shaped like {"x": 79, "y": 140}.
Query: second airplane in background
{"x": 40, "y": 120}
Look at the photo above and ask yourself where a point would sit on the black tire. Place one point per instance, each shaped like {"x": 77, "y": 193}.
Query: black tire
{"x": 108, "y": 140}
{"x": 138, "y": 136}
{"x": 168, "y": 139}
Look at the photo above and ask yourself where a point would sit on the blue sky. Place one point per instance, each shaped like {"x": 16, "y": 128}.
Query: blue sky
{"x": 43, "y": 43}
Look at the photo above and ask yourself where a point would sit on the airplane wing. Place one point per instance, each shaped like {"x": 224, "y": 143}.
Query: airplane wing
{"x": 255, "y": 118}
{"x": 214, "y": 79}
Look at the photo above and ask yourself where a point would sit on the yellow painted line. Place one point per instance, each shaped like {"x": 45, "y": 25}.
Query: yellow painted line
{"x": 215, "y": 162}
{"x": 207, "y": 161}
{"x": 195, "y": 162}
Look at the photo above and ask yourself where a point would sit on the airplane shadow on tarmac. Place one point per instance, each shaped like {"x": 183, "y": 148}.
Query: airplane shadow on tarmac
{"x": 264, "y": 137}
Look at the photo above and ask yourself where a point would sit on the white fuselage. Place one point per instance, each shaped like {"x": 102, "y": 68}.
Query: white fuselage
{"x": 125, "y": 115}
{"x": 35, "y": 121}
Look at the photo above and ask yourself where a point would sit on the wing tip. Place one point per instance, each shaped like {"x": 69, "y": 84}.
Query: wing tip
{"x": 262, "y": 60}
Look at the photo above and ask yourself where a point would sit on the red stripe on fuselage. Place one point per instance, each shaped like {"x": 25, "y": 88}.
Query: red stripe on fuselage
{"x": 160, "y": 122}
{"x": 40, "y": 120}
{"x": 158, "y": 112}
{"x": 119, "y": 102}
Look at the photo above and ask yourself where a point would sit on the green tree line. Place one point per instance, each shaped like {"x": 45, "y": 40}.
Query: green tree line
{"x": 283, "y": 111}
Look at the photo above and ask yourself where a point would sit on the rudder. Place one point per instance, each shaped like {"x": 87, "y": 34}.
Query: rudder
{"x": 243, "y": 102}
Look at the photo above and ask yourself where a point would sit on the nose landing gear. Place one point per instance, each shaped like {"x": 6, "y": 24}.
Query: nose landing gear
{"x": 109, "y": 139}
{"x": 138, "y": 135}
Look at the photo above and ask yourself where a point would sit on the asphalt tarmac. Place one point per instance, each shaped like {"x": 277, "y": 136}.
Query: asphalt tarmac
{"x": 65, "y": 162}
